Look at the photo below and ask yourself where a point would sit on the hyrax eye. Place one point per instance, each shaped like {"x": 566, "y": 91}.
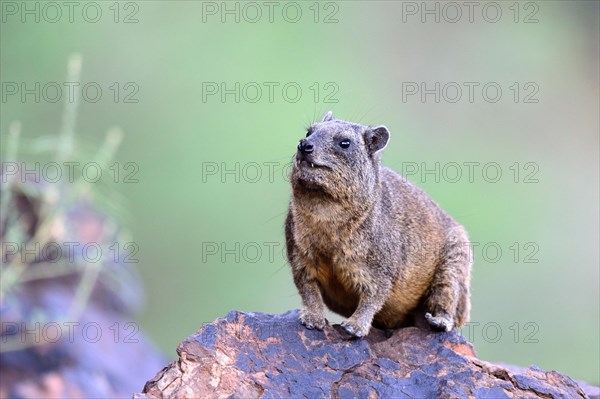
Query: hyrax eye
{"x": 345, "y": 143}
{"x": 308, "y": 133}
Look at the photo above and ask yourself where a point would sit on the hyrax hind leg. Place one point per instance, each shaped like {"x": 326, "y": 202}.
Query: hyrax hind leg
{"x": 448, "y": 302}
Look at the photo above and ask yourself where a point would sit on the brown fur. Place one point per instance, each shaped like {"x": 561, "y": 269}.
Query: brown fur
{"x": 366, "y": 242}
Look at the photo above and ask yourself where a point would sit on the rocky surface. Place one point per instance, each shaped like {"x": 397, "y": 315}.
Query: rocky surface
{"x": 248, "y": 355}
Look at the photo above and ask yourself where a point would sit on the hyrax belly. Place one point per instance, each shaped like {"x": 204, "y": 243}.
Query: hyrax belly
{"x": 340, "y": 286}
{"x": 410, "y": 287}
{"x": 400, "y": 306}
{"x": 339, "y": 293}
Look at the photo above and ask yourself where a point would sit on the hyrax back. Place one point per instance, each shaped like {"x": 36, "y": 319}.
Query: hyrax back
{"x": 366, "y": 242}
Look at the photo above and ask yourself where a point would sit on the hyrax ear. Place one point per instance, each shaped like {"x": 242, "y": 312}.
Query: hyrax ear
{"x": 376, "y": 138}
{"x": 328, "y": 116}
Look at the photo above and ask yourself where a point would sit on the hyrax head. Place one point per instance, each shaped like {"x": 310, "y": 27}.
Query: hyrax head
{"x": 338, "y": 157}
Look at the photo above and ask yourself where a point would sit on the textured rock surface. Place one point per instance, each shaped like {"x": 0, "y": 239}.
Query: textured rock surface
{"x": 271, "y": 356}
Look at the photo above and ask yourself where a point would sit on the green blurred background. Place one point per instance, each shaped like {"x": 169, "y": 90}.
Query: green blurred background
{"x": 362, "y": 61}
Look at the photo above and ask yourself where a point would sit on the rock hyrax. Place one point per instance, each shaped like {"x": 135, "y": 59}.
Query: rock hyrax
{"x": 366, "y": 242}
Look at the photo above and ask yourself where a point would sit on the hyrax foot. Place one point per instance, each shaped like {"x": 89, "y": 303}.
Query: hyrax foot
{"x": 355, "y": 328}
{"x": 312, "y": 320}
{"x": 439, "y": 323}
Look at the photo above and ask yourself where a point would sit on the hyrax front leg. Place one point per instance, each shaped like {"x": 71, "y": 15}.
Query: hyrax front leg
{"x": 371, "y": 301}
{"x": 312, "y": 314}
{"x": 448, "y": 303}
{"x": 313, "y": 311}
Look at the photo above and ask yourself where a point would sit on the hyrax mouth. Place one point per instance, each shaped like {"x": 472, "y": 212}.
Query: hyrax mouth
{"x": 303, "y": 163}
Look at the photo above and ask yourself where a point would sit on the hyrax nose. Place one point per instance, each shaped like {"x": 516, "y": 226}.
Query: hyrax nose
{"x": 304, "y": 147}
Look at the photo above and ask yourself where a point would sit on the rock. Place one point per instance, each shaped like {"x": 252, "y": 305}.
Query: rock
{"x": 248, "y": 355}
